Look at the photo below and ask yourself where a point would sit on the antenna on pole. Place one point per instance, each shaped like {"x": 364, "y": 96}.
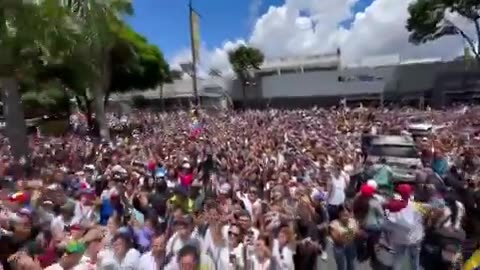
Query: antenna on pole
{"x": 193, "y": 28}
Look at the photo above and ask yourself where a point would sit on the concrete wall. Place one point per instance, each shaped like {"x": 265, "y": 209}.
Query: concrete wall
{"x": 414, "y": 77}
{"x": 327, "y": 83}
{"x": 392, "y": 82}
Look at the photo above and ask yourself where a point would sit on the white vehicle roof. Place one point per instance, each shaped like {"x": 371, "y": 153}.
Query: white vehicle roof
{"x": 393, "y": 140}
{"x": 420, "y": 126}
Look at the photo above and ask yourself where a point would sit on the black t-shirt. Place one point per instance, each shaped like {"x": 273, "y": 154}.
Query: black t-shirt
{"x": 159, "y": 203}
{"x": 305, "y": 257}
{"x": 9, "y": 247}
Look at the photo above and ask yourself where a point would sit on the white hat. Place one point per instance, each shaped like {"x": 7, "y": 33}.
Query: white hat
{"x": 224, "y": 188}
{"x": 372, "y": 183}
{"x": 118, "y": 169}
{"x": 89, "y": 167}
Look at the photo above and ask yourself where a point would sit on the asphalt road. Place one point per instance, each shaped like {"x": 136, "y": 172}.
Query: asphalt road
{"x": 330, "y": 264}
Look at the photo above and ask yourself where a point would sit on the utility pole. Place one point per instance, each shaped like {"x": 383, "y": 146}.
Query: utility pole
{"x": 191, "y": 12}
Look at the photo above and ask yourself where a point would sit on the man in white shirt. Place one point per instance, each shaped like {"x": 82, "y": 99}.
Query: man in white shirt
{"x": 154, "y": 259}
{"x": 93, "y": 242}
{"x": 251, "y": 201}
{"x": 181, "y": 237}
{"x": 406, "y": 232}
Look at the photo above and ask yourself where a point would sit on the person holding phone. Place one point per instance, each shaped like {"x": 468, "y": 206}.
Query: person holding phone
{"x": 343, "y": 232}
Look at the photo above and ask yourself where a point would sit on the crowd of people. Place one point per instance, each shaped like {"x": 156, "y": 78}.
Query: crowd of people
{"x": 257, "y": 190}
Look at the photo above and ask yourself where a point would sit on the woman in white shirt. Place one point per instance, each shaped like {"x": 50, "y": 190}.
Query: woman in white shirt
{"x": 262, "y": 260}
{"x": 236, "y": 248}
{"x": 122, "y": 255}
{"x": 336, "y": 190}
{"x": 283, "y": 249}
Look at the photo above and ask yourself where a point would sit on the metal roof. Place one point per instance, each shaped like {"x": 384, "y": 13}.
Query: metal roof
{"x": 320, "y": 60}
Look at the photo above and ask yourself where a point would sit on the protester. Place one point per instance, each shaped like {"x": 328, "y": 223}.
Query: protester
{"x": 257, "y": 189}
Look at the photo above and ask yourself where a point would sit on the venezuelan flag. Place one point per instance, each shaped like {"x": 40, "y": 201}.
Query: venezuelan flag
{"x": 474, "y": 262}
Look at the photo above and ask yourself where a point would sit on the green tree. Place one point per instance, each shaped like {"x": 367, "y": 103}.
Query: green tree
{"x": 30, "y": 31}
{"x": 428, "y": 21}
{"x": 145, "y": 69}
{"x": 244, "y": 60}
{"x": 99, "y": 22}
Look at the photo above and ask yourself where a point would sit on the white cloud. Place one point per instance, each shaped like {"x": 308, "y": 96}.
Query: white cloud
{"x": 378, "y": 30}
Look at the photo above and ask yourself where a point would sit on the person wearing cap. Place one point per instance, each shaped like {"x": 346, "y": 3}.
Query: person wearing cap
{"x": 19, "y": 199}
{"x": 186, "y": 176}
{"x": 84, "y": 212}
{"x": 405, "y": 230}
{"x": 183, "y": 228}
{"x": 156, "y": 257}
{"x": 123, "y": 255}
{"x": 370, "y": 215}
{"x": 73, "y": 253}
{"x": 93, "y": 241}
{"x": 64, "y": 219}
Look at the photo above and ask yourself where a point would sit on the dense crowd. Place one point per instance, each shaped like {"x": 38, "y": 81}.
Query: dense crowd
{"x": 257, "y": 190}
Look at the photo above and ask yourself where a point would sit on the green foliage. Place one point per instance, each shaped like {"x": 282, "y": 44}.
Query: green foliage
{"x": 54, "y": 127}
{"x": 144, "y": 68}
{"x": 49, "y": 99}
{"x": 427, "y": 20}
{"x": 31, "y": 31}
{"x": 245, "y": 58}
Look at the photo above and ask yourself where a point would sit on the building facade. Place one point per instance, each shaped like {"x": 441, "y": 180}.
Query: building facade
{"x": 322, "y": 80}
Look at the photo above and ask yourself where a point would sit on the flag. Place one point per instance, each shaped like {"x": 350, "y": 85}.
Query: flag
{"x": 473, "y": 263}
{"x": 195, "y": 34}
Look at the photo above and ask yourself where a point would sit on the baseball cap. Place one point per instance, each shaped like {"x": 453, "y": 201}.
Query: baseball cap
{"x": 367, "y": 191}
{"x": 74, "y": 247}
{"x": 224, "y": 188}
{"x": 19, "y": 197}
{"x": 405, "y": 190}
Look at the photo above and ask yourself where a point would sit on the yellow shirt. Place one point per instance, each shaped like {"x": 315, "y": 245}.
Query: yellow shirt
{"x": 474, "y": 262}
{"x": 186, "y": 204}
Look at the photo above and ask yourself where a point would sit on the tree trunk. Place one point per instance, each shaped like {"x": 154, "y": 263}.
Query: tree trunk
{"x": 99, "y": 88}
{"x": 244, "y": 93}
{"x": 161, "y": 97}
{"x": 16, "y": 127}
{"x": 106, "y": 98}
{"x": 477, "y": 30}
{"x": 87, "y": 109}
{"x": 90, "y": 121}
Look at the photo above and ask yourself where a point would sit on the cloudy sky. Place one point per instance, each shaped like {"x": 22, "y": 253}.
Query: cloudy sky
{"x": 280, "y": 28}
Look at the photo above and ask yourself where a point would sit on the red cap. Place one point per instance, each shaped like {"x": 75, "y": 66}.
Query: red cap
{"x": 405, "y": 190}
{"x": 151, "y": 165}
{"x": 395, "y": 205}
{"x": 367, "y": 191}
